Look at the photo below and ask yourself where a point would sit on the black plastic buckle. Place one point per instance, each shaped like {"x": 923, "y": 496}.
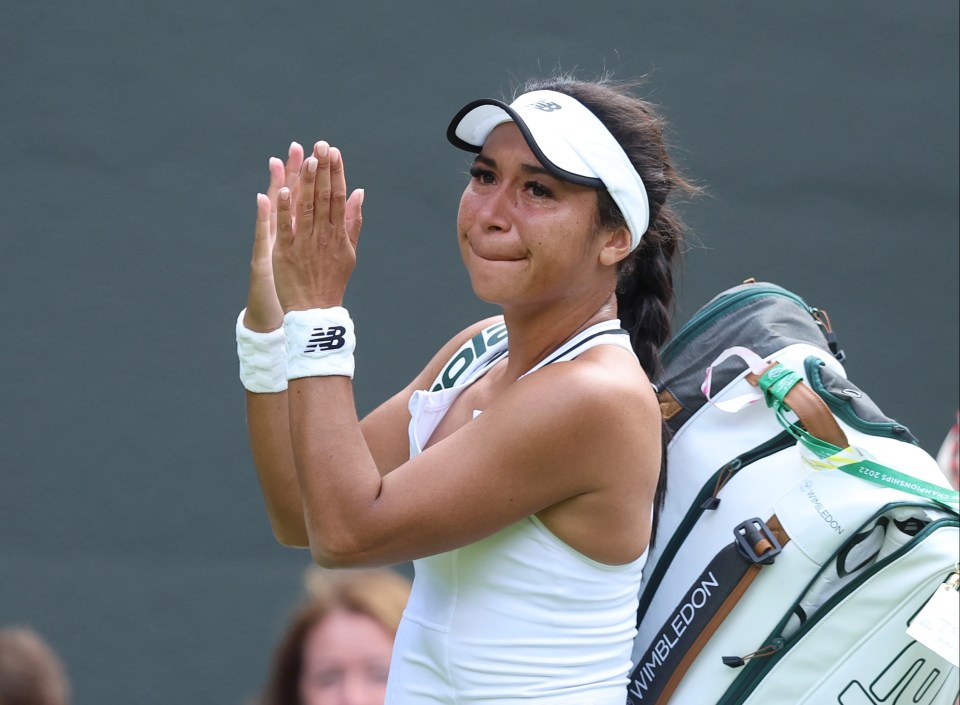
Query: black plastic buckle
{"x": 748, "y": 534}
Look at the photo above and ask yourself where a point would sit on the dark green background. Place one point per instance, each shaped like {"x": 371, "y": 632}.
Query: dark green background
{"x": 136, "y": 134}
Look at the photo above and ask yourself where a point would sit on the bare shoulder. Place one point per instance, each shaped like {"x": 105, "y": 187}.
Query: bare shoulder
{"x": 605, "y": 383}
{"x": 593, "y": 428}
{"x": 596, "y": 415}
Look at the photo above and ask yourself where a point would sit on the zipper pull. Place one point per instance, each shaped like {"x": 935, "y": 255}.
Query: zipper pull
{"x": 723, "y": 477}
{"x": 764, "y": 651}
{"x": 823, "y": 320}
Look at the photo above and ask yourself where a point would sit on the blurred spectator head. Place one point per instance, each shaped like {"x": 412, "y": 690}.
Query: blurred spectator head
{"x": 30, "y": 672}
{"x": 336, "y": 649}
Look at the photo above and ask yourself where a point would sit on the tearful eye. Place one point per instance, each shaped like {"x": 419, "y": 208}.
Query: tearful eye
{"x": 482, "y": 175}
{"x": 538, "y": 190}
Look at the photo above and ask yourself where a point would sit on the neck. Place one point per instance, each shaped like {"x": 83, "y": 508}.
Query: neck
{"x": 534, "y": 336}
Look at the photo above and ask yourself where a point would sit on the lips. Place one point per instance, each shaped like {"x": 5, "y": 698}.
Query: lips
{"x": 496, "y": 257}
{"x": 493, "y": 253}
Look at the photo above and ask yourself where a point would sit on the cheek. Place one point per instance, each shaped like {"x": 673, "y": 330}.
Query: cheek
{"x": 466, "y": 213}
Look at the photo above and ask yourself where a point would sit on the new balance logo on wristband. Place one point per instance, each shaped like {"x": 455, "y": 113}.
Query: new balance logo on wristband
{"x": 325, "y": 339}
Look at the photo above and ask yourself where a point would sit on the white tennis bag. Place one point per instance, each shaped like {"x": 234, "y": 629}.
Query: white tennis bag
{"x": 808, "y": 549}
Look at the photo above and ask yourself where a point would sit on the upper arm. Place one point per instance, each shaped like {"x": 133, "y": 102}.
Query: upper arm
{"x": 385, "y": 428}
{"x": 570, "y": 429}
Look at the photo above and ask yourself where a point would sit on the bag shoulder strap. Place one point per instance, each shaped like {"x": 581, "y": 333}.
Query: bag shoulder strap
{"x": 692, "y": 623}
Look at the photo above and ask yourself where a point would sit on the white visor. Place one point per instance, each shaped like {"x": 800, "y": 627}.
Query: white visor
{"x": 568, "y": 140}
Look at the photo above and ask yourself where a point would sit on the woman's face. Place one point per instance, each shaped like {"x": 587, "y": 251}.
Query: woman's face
{"x": 526, "y": 237}
{"x": 346, "y": 657}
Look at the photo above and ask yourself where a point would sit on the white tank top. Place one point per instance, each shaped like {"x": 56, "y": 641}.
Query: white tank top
{"x": 520, "y": 617}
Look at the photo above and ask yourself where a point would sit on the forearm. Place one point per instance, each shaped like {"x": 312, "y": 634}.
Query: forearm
{"x": 338, "y": 478}
{"x": 313, "y": 256}
{"x": 268, "y": 426}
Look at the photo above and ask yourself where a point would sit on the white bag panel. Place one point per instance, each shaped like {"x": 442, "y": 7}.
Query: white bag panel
{"x": 827, "y": 507}
{"x": 818, "y": 512}
{"x": 740, "y": 500}
{"x": 792, "y": 356}
{"x": 712, "y": 437}
{"x": 834, "y": 664}
{"x": 693, "y": 459}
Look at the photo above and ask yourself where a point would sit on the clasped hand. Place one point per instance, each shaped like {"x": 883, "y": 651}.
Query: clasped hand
{"x": 306, "y": 237}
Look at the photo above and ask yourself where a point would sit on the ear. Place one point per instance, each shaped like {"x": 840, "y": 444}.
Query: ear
{"x": 616, "y": 246}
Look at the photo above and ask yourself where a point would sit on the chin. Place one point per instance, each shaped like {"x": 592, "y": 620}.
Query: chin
{"x": 499, "y": 283}
{"x": 487, "y": 292}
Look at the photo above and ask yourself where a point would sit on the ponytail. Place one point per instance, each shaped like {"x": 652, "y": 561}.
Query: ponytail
{"x": 644, "y": 303}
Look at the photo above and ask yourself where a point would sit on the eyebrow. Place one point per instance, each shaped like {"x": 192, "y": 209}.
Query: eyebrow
{"x": 526, "y": 168}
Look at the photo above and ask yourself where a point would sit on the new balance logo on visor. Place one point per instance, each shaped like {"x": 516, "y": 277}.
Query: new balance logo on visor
{"x": 325, "y": 339}
{"x": 546, "y": 106}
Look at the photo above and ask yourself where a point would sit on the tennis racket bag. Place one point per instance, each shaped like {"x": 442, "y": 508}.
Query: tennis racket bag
{"x": 801, "y": 536}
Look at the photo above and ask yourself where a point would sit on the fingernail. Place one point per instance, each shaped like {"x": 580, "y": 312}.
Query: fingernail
{"x": 284, "y": 194}
{"x": 334, "y": 154}
{"x": 294, "y": 145}
{"x": 322, "y": 149}
{"x": 360, "y": 197}
{"x": 312, "y": 165}
{"x": 275, "y": 160}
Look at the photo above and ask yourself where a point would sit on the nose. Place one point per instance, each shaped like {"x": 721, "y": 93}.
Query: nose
{"x": 493, "y": 213}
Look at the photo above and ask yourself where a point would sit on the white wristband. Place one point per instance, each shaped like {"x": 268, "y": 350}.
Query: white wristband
{"x": 320, "y": 343}
{"x": 263, "y": 359}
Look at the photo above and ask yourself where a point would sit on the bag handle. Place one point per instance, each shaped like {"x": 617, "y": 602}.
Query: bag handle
{"x": 819, "y": 433}
{"x": 778, "y": 381}
{"x": 811, "y": 410}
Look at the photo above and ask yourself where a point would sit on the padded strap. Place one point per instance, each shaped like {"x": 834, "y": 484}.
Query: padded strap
{"x": 703, "y": 607}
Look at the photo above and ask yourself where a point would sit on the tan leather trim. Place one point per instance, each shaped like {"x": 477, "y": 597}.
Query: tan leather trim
{"x": 732, "y": 599}
{"x": 669, "y": 406}
{"x": 812, "y": 411}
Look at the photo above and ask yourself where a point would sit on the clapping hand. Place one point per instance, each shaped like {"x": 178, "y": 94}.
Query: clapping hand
{"x": 317, "y": 228}
{"x": 313, "y": 223}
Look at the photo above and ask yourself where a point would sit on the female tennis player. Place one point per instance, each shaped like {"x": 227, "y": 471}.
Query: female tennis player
{"x": 519, "y": 468}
